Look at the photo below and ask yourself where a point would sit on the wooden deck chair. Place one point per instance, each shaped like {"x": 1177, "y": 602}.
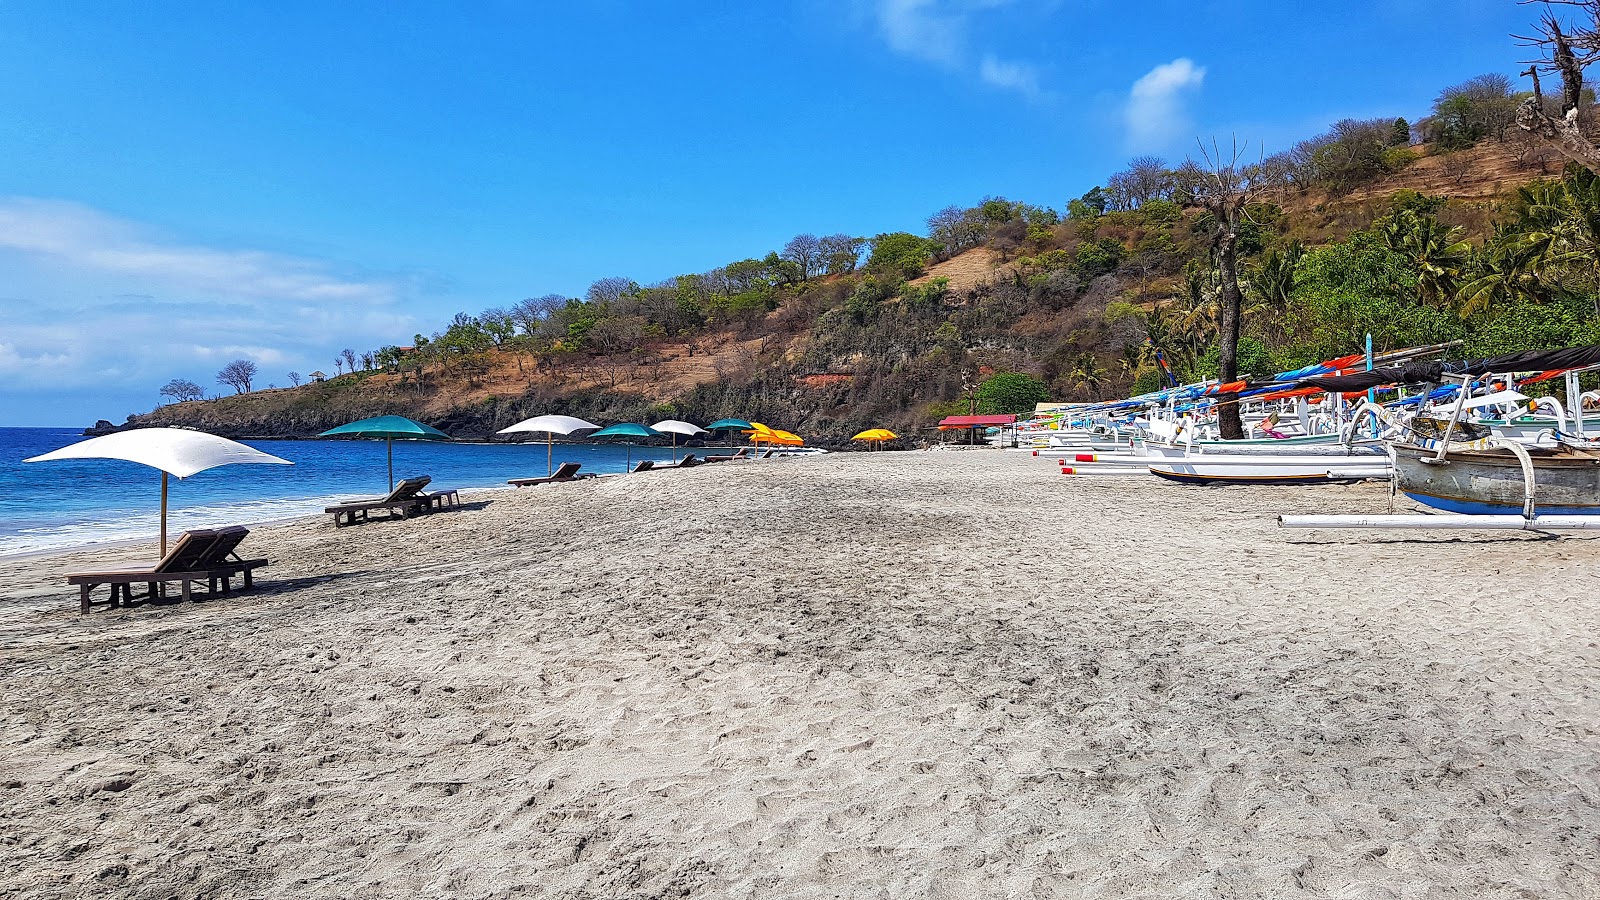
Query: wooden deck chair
{"x": 200, "y": 554}
{"x": 404, "y": 500}
{"x": 567, "y": 471}
{"x": 645, "y": 465}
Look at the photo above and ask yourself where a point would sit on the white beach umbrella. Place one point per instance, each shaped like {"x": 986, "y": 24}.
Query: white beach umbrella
{"x": 676, "y": 427}
{"x": 551, "y": 426}
{"x": 175, "y": 451}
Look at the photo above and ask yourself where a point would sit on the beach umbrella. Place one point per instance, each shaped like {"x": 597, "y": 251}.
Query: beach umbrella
{"x": 551, "y": 426}
{"x": 628, "y": 430}
{"x": 391, "y": 429}
{"x": 876, "y": 436}
{"x": 675, "y": 427}
{"x": 729, "y": 425}
{"x": 175, "y": 451}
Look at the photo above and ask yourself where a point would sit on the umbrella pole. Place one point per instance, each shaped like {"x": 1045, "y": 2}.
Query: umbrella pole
{"x": 163, "y": 513}
{"x": 674, "y": 448}
{"x": 390, "y": 442}
{"x": 549, "y": 453}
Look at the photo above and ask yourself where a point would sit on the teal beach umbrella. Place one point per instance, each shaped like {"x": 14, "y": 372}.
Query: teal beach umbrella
{"x": 730, "y": 425}
{"x": 628, "y": 430}
{"x": 390, "y": 428}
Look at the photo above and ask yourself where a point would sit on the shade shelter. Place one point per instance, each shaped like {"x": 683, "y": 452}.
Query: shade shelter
{"x": 551, "y": 426}
{"x": 390, "y": 428}
{"x": 175, "y": 451}
{"x": 972, "y": 424}
{"x": 628, "y": 430}
{"x": 676, "y": 427}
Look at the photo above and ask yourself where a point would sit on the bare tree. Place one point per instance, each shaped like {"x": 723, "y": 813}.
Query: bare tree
{"x": 531, "y": 313}
{"x": 338, "y": 366}
{"x": 805, "y": 251}
{"x": 956, "y": 229}
{"x": 1565, "y": 50}
{"x": 294, "y": 378}
{"x": 237, "y": 375}
{"x": 349, "y": 357}
{"x": 182, "y": 389}
{"x": 367, "y": 359}
{"x": 610, "y": 290}
{"x": 1225, "y": 186}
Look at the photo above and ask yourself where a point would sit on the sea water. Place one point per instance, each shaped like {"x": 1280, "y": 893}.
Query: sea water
{"x": 59, "y": 505}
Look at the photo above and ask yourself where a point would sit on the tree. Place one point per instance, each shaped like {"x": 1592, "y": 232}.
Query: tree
{"x": 955, "y": 229}
{"x": 1466, "y": 113}
{"x": 900, "y": 253}
{"x": 1433, "y": 249}
{"x": 1010, "y": 392}
{"x": 1226, "y": 188}
{"x": 841, "y": 253}
{"x": 294, "y": 378}
{"x": 610, "y": 290}
{"x": 531, "y": 313}
{"x": 805, "y": 251}
{"x": 181, "y": 390}
{"x": 1145, "y": 179}
{"x": 349, "y": 357}
{"x": 338, "y": 366}
{"x": 237, "y": 375}
{"x": 1566, "y": 51}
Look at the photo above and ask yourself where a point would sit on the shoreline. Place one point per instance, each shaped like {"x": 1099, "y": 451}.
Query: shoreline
{"x": 864, "y": 674}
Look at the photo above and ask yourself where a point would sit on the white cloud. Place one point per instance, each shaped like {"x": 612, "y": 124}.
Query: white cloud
{"x": 101, "y": 302}
{"x": 921, "y": 29}
{"x": 77, "y": 236}
{"x": 1155, "y": 114}
{"x": 941, "y": 32}
{"x": 1012, "y": 76}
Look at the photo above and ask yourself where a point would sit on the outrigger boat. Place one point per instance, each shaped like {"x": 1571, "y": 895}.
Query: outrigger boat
{"x": 1495, "y": 482}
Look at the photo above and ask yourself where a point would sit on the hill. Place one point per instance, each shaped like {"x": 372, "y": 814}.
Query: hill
{"x": 1364, "y": 234}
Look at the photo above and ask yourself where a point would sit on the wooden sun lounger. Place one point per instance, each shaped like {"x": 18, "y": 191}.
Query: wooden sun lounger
{"x": 405, "y": 499}
{"x": 645, "y": 465}
{"x": 689, "y": 461}
{"x": 567, "y": 471}
{"x": 197, "y": 555}
{"x": 744, "y": 453}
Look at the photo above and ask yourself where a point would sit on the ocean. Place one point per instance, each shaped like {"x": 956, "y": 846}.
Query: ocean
{"x": 61, "y": 505}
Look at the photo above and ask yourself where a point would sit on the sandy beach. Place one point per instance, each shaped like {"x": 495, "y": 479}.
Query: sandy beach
{"x": 863, "y": 675}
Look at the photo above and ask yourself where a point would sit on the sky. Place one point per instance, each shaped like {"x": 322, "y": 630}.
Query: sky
{"x": 184, "y": 184}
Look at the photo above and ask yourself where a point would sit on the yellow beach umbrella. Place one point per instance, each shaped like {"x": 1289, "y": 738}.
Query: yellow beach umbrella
{"x": 876, "y": 436}
{"x": 786, "y": 438}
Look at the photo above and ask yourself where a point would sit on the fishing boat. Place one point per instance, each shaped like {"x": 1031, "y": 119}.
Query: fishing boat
{"x": 1562, "y": 480}
{"x": 1216, "y": 469}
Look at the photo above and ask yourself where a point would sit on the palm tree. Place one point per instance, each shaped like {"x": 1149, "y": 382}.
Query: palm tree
{"x": 1555, "y": 230}
{"x": 1507, "y": 269}
{"x": 1435, "y": 249}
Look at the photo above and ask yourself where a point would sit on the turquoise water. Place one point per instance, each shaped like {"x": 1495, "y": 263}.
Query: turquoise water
{"x": 57, "y": 505}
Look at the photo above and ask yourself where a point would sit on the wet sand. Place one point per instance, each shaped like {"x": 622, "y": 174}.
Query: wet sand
{"x": 859, "y": 675}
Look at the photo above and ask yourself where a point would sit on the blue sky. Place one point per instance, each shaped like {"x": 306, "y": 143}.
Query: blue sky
{"x": 186, "y": 184}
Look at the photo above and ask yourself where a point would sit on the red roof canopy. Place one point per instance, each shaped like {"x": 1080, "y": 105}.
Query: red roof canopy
{"x": 976, "y": 421}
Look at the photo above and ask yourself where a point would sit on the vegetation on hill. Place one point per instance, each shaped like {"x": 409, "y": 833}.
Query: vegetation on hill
{"x": 834, "y": 334}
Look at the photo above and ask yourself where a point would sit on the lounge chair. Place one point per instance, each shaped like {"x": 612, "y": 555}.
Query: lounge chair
{"x": 405, "y": 499}
{"x": 567, "y": 471}
{"x": 645, "y": 465}
{"x": 196, "y": 555}
{"x": 689, "y": 461}
{"x": 744, "y": 453}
